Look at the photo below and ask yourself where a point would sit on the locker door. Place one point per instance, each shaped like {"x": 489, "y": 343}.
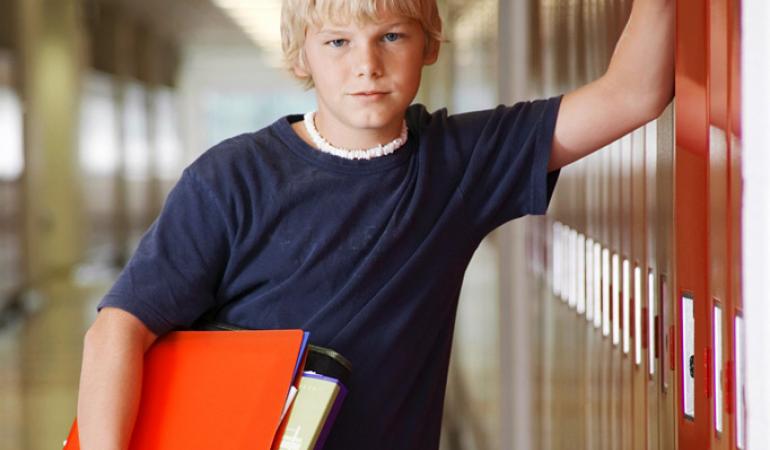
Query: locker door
{"x": 654, "y": 175}
{"x": 627, "y": 149}
{"x": 638, "y": 258}
{"x": 734, "y": 422}
{"x": 718, "y": 216}
{"x": 664, "y": 248}
{"x": 594, "y": 292}
{"x": 616, "y": 356}
{"x": 691, "y": 180}
{"x": 605, "y": 350}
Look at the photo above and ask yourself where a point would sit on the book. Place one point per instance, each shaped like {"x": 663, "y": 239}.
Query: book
{"x": 334, "y": 368}
{"x": 331, "y": 417}
{"x": 313, "y": 412}
{"x": 204, "y": 390}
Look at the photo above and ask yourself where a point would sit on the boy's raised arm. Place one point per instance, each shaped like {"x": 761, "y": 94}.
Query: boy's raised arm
{"x": 637, "y": 86}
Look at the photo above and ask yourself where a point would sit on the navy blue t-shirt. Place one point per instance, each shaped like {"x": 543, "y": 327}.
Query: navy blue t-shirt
{"x": 367, "y": 255}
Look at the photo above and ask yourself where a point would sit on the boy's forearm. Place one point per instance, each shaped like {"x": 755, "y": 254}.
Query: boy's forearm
{"x": 110, "y": 389}
{"x": 642, "y": 65}
{"x": 636, "y": 88}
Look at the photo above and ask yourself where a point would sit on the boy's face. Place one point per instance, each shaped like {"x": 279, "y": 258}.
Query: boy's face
{"x": 365, "y": 77}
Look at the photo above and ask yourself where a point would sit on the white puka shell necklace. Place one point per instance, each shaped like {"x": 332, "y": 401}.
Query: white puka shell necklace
{"x": 374, "y": 152}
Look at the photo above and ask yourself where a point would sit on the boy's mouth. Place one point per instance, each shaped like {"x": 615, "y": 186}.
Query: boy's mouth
{"x": 369, "y": 93}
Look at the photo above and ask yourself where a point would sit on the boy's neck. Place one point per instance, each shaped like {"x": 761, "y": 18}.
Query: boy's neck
{"x": 347, "y": 137}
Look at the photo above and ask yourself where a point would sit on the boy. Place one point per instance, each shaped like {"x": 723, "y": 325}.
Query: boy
{"x": 357, "y": 222}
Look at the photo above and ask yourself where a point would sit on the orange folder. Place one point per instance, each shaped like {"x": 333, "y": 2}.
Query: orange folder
{"x": 215, "y": 389}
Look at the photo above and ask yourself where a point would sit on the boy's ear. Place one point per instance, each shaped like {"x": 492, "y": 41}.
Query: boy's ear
{"x": 431, "y": 54}
{"x": 300, "y": 66}
{"x": 300, "y": 71}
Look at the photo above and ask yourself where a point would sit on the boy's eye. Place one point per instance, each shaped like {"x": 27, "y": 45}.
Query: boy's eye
{"x": 336, "y": 43}
{"x": 391, "y": 37}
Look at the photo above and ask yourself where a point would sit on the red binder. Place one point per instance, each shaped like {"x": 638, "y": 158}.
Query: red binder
{"x": 224, "y": 389}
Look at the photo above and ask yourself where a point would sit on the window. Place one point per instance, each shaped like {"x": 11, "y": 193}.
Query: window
{"x": 11, "y": 132}
{"x": 99, "y": 146}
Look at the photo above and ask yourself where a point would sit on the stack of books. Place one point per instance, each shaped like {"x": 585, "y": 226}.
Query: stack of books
{"x": 236, "y": 389}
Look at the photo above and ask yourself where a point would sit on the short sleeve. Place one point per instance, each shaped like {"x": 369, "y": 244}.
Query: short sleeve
{"x": 507, "y": 170}
{"x": 173, "y": 276}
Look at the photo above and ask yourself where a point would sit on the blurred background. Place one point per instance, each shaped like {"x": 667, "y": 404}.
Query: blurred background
{"x": 104, "y": 102}
{"x": 102, "y": 105}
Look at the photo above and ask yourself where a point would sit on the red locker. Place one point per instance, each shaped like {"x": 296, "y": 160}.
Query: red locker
{"x": 694, "y": 305}
{"x": 734, "y": 422}
{"x": 719, "y": 239}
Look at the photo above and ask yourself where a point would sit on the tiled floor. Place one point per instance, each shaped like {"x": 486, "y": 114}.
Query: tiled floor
{"x": 40, "y": 365}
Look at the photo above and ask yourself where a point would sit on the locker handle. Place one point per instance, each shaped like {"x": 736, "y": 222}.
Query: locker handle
{"x": 728, "y": 377}
{"x": 671, "y": 351}
{"x": 707, "y": 370}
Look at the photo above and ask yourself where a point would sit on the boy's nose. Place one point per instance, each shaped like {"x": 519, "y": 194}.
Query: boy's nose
{"x": 368, "y": 62}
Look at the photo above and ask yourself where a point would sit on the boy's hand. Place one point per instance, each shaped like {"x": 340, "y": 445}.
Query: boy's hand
{"x": 636, "y": 88}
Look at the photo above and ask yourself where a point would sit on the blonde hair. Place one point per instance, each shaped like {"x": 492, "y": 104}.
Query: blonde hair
{"x": 297, "y": 15}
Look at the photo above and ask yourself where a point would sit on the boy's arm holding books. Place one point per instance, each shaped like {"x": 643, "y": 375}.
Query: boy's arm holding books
{"x": 637, "y": 86}
{"x": 111, "y": 379}
{"x": 177, "y": 265}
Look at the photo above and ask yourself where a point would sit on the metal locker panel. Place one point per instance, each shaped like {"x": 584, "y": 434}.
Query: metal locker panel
{"x": 639, "y": 378}
{"x": 625, "y": 251}
{"x": 734, "y": 303}
{"x": 606, "y": 377}
{"x": 615, "y": 244}
{"x": 648, "y": 270}
{"x": 638, "y": 256}
{"x": 626, "y": 358}
{"x": 719, "y": 268}
{"x": 739, "y": 368}
{"x": 593, "y": 338}
{"x": 692, "y": 214}
{"x": 667, "y": 386}
{"x": 582, "y": 330}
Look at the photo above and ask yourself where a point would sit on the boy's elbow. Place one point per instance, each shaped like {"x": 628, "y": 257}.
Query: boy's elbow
{"x": 642, "y": 103}
{"x": 651, "y": 105}
{"x": 661, "y": 101}
{"x": 114, "y": 326}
